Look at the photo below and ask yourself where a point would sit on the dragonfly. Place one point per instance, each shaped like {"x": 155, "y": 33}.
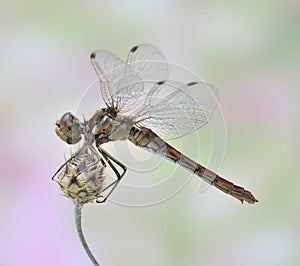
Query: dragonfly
{"x": 144, "y": 106}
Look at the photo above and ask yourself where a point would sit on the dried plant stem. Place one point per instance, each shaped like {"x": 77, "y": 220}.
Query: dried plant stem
{"x": 78, "y": 207}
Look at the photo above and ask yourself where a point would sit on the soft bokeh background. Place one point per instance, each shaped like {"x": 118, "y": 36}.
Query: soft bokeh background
{"x": 249, "y": 50}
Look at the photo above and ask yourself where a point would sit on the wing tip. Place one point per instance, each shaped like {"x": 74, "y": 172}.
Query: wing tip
{"x": 93, "y": 55}
{"x": 161, "y": 82}
{"x": 134, "y": 48}
{"x": 192, "y": 83}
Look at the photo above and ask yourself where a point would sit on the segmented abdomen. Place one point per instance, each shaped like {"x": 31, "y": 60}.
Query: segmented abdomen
{"x": 147, "y": 139}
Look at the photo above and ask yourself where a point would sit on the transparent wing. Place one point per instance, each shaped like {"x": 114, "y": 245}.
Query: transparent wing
{"x": 138, "y": 89}
{"x": 172, "y": 109}
{"x": 122, "y": 83}
{"x": 148, "y": 62}
{"x": 108, "y": 67}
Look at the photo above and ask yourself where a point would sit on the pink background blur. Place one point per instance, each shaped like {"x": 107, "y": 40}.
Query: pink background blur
{"x": 251, "y": 51}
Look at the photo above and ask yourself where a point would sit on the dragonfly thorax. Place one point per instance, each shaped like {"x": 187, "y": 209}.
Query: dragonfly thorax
{"x": 111, "y": 129}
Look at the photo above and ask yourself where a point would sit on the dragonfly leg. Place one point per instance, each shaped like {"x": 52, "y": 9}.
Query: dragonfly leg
{"x": 109, "y": 158}
{"x": 97, "y": 155}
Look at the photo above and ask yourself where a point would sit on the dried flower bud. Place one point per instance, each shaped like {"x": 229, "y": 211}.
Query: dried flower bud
{"x": 82, "y": 179}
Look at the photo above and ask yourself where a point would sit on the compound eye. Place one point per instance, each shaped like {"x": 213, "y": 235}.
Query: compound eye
{"x": 69, "y": 128}
{"x": 67, "y": 120}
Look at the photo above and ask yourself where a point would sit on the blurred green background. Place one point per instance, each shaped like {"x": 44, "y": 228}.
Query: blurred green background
{"x": 249, "y": 50}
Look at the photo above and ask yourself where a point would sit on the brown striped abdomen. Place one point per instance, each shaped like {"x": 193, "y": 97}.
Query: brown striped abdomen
{"x": 146, "y": 138}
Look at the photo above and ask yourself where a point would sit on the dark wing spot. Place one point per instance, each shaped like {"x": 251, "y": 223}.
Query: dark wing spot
{"x": 134, "y": 48}
{"x": 192, "y": 83}
{"x": 161, "y": 82}
{"x": 93, "y": 55}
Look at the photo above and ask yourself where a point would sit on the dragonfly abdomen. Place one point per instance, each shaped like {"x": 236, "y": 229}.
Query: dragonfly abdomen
{"x": 147, "y": 139}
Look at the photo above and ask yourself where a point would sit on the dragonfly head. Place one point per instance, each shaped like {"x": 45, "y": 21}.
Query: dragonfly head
{"x": 68, "y": 128}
